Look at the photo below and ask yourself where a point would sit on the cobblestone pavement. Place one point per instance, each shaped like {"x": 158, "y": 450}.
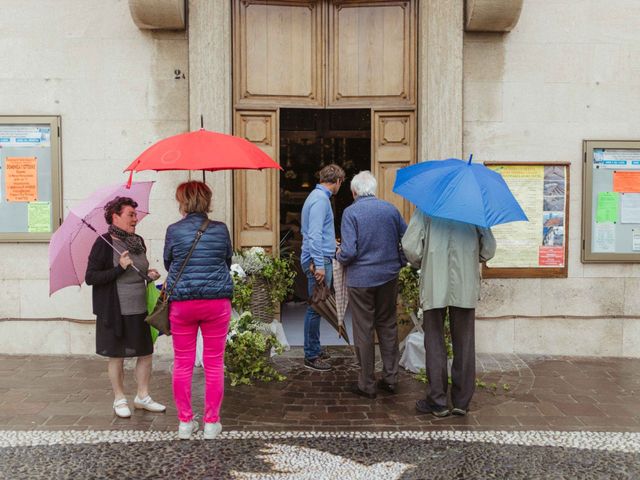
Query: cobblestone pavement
{"x": 532, "y": 417}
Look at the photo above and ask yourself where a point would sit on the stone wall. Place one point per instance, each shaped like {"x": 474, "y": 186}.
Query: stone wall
{"x": 115, "y": 88}
{"x": 567, "y": 72}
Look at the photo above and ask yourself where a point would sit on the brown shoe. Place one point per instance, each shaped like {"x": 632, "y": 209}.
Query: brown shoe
{"x": 324, "y": 355}
{"x": 317, "y": 364}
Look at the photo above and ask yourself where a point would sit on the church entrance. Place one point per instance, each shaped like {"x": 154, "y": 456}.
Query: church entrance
{"x": 310, "y": 140}
{"x": 318, "y": 82}
{"x": 315, "y": 80}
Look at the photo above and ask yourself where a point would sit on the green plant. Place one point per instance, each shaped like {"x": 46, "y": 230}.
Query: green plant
{"x": 409, "y": 289}
{"x": 421, "y": 376}
{"x": 246, "y": 356}
{"x": 241, "y": 293}
{"x": 254, "y": 264}
{"x": 279, "y": 274}
{"x": 447, "y": 335}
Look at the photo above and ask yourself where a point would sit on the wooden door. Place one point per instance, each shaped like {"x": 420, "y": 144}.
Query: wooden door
{"x": 372, "y": 53}
{"x": 393, "y": 146}
{"x": 279, "y": 50}
{"x": 256, "y": 198}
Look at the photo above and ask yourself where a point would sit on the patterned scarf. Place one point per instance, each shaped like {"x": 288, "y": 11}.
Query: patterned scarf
{"x": 131, "y": 240}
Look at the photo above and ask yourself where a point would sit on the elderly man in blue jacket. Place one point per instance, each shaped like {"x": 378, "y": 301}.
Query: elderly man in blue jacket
{"x": 318, "y": 251}
{"x": 371, "y": 233}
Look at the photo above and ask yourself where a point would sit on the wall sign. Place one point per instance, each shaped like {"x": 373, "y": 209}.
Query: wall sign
{"x": 539, "y": 247}
{"x": 30, "y": 185}
{"x": 611, "y": 201}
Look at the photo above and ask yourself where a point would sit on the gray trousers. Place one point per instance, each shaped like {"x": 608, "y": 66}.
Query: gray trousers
{"x": 374, "y": 309}
{"x": 463, "y": 370}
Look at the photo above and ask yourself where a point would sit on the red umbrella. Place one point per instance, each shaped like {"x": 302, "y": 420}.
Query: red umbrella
{"x": 202, "y": 150}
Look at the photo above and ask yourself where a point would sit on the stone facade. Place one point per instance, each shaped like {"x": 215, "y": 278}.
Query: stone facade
{"x": 115, "y": 88}
{"x": 566, "y": 72}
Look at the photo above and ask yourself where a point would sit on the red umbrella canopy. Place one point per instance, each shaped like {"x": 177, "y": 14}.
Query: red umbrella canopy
{"x": 202, "y": 150}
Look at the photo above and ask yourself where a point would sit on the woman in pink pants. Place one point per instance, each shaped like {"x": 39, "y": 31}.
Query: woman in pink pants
{"x": 201, "y": 299}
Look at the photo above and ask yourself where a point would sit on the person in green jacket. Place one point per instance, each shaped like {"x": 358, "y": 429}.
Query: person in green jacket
{"x": 448, "y": 254}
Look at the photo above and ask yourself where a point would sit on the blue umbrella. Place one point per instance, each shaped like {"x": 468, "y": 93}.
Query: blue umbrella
{"x": 458, "y": 190}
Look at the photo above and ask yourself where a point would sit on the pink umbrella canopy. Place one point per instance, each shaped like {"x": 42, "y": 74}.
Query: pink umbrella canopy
{"x": 71, "y": 243}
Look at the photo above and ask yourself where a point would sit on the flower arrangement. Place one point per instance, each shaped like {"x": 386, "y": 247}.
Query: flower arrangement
{"x": 250, "y": 340}
{"x": 253, "y": 265}
{"x": 246, "y": 357}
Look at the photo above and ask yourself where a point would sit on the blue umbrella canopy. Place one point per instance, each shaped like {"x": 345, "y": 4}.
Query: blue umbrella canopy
{"x": 457, "y": 190}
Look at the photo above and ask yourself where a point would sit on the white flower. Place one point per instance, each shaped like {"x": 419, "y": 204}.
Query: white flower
{"x": 256, "y": 251}
{"x": 238, "y": 270}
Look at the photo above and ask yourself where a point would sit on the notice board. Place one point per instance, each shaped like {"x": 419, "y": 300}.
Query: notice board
{"x": 539, "y": 247}
{"x": 30, "y": 185}
{"x": 611, "y": 201}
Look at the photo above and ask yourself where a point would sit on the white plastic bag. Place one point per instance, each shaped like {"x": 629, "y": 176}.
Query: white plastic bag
{"x": 413, "y": 356}
{"x": 199, "y": 349}
{"x": 278, "y": 331}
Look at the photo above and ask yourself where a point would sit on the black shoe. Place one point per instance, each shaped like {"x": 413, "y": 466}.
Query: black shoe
{"x": 422, "y": 406}
{"x": 387, "y": 387}
{"x": 461, "y": 412}
{"x": 356, "y": 389}
{"x": 317, "y": 364}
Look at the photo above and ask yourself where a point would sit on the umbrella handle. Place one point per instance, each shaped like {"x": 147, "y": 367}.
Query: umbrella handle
{"x": 144, "y": 276}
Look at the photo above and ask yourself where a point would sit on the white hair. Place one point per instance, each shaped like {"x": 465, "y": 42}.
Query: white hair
{"x": 364, "y": 184}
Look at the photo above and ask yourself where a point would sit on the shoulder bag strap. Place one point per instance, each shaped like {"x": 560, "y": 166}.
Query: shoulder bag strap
{"x": 199, "y": 234}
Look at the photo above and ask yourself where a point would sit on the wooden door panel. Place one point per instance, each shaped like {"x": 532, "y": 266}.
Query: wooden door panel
{"x": 372, "y": 54}
{"x": 393, "y": 146}
{"x": 278, "y": 53}
{"x": 386, "y": 176}
{"x": 256, "y": 192}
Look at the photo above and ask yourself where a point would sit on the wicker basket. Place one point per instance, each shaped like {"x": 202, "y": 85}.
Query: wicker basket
{"x": 260, "y": 304}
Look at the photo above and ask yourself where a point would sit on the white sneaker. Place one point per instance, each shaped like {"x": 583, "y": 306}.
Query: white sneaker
{"x": 148, "y": 404}
{"x": 186, "y": 429}
{"x": 121, "y": 407}
{"x": 212, "y": 430}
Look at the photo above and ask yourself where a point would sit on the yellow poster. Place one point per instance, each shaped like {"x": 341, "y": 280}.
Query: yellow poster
{"x": 518, "y": 243}
{"x": 21, "y": 179}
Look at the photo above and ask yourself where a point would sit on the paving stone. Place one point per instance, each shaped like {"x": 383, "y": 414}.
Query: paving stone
{"x": 563, "y": 390}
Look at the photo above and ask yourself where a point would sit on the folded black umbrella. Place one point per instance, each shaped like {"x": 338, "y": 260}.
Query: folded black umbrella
{"x": 323, "y": 302}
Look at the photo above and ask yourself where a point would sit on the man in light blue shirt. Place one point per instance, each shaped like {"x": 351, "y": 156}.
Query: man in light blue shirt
{"x": 318, "y": 250}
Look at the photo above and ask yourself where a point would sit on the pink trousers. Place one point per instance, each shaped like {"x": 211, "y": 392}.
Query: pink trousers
{"x": 212, "y": 317}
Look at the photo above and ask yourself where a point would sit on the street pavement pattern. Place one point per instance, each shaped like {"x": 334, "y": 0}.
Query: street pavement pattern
{"x": 557, "y": 418}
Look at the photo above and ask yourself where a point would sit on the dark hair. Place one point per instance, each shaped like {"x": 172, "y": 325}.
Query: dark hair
{"x": 331, "y": 174}
{"x": 194, "y": 197}
{"x": 116, "y": 205}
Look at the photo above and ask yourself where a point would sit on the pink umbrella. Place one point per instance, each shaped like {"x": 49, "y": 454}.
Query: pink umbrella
{"x": 71, "y": 243}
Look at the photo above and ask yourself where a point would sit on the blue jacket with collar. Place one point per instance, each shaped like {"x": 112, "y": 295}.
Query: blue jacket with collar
{"x": 206, "y": 275}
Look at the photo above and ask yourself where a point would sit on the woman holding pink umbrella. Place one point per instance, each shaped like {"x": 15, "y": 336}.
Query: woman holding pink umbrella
{"x": 119, "y": 303}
